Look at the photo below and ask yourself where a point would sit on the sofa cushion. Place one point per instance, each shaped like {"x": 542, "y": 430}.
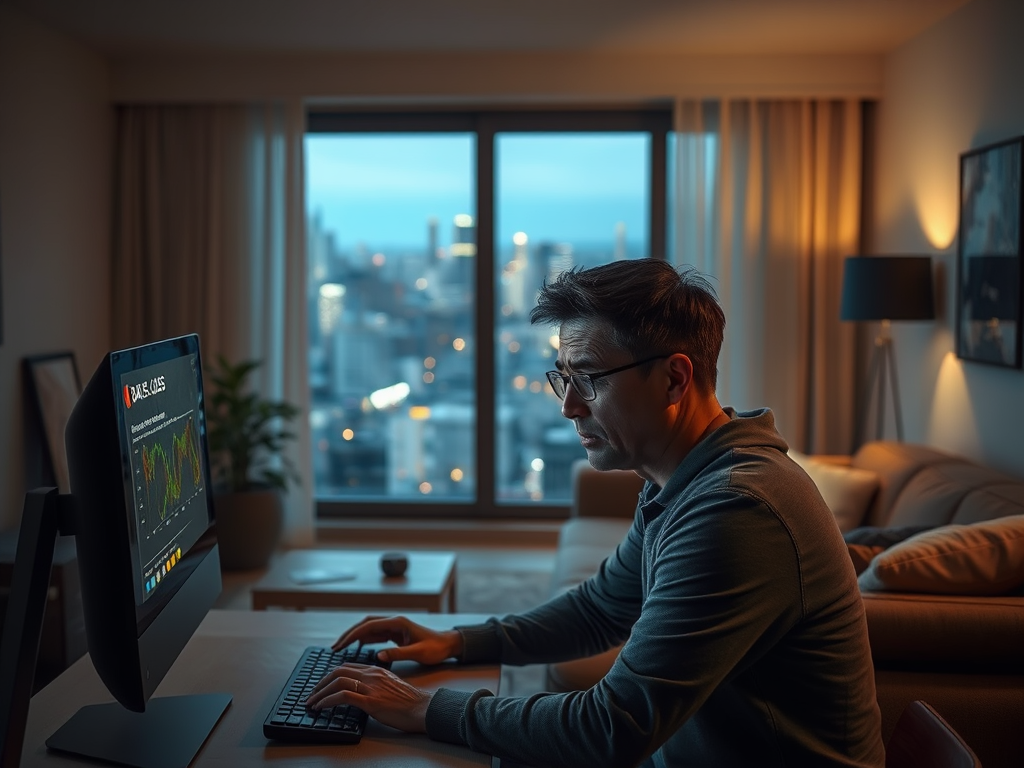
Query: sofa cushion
{"x": 991, "y": 501}
{"x": 603, "y": 493}
{"x": 861, "y": 555}
{"x": 924, "y": 486}
{"x": 583, "y": 544}
{"x": 894, "y": 463}
{"x": 883, "y": 538}
{"x": 946, "y": 633}
{"x": 848, "y": 491}
{"x": 984, "y": 558}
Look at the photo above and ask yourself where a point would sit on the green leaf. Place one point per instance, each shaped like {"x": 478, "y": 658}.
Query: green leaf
{"x": 246, "y": 432}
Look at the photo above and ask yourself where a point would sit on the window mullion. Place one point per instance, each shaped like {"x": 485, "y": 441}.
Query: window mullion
{"x": 486, "y": 407}
{"x": 659, "y": 191}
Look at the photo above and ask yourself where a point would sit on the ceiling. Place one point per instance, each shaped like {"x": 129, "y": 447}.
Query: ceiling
{"x": 695, "y": 27}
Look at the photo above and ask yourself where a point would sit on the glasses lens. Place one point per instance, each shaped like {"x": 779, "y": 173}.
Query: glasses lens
{"x": 557, "y": 384}
{"x": 584, "y": 386}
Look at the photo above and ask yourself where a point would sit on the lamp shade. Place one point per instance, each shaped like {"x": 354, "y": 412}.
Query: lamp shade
{"x": 887, "y": 288}
{"x": 992, "y": 287}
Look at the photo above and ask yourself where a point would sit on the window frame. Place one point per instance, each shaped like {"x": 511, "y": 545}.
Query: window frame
{"x": 655, "y": 119}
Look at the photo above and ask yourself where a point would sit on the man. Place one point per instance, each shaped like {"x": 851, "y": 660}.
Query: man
{"x": 745, "y": 637}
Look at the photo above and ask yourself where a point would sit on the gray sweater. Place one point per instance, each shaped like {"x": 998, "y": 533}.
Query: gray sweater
{"x": 745, "y": 637}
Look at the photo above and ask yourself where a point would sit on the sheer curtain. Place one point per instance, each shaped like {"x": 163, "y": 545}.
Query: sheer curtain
{"x": 209, "y": 237}
{"x": 767, "y": 203}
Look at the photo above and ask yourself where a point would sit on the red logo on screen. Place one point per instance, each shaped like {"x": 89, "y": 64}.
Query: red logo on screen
{"x": 127, "y": 397}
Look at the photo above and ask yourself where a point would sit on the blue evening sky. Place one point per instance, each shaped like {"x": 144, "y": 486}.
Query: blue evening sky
{"x": 381, "y": 190}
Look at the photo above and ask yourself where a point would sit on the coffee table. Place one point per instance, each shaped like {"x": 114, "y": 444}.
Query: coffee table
{"x": 302, "y": 578}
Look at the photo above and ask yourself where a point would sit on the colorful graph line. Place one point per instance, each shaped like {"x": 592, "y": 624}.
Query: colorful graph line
{"x": 163, "y": 473}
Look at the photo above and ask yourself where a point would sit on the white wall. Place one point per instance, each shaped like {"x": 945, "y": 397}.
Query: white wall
{"x": 954, "y": 87}
{"x": 56, "y": 136}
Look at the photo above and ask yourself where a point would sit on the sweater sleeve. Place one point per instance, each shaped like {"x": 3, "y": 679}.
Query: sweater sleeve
{"x": 713, "y": 603}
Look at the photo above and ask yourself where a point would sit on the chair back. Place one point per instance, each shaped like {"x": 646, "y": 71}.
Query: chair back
{"x": 922, "y": 739}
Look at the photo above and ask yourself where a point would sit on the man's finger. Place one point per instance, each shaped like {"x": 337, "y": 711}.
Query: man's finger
{"x": 372, "y": 629}
{"x": 401, "y": 652}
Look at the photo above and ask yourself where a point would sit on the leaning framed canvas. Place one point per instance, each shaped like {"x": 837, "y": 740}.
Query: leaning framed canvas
{"x": 988, "y": 303}
{"x": 53, "y": 384}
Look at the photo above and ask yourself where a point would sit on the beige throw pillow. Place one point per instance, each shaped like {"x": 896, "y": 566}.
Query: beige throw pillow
{"x": 984, "y": 558}
{"x": 848, "y": 491}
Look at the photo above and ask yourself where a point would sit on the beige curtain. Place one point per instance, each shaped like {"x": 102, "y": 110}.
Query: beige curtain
{"x": 209, "y": 237}
{"x": 767, "y": 197}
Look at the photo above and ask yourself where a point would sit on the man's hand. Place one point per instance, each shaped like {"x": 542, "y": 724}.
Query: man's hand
{"x": 415, "y": 642}
{"x": 380, "y": 693}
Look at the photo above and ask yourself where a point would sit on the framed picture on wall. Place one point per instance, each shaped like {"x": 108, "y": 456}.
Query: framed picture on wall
{"x": 988, "y": 303}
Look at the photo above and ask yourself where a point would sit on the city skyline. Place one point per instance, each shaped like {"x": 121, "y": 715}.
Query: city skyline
{"x": 393, "y": 326}
{"x": 380, "y": 191}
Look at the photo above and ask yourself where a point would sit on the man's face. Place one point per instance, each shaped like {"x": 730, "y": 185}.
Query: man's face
{"x": 621, "y": 427}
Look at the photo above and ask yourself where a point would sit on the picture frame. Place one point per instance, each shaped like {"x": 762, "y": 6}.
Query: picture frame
{"x": 988, "y": 306}
{"x": 53, "y": 385}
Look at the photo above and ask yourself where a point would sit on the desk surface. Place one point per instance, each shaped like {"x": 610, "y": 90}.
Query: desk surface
{"x": 249, "y": 655}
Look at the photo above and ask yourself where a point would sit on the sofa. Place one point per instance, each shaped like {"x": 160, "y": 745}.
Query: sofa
{"x": 938, "y": 543}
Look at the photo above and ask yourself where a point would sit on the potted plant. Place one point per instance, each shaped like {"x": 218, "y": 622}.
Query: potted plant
{"x": 247, "y": 435}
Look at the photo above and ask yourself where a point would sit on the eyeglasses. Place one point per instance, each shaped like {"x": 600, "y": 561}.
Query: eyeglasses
{"x": 583, "y": 383}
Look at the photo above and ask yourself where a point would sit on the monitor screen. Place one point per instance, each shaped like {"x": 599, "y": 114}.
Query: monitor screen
{"x": 144, "y": 523}
{"x": 161, "y": 447}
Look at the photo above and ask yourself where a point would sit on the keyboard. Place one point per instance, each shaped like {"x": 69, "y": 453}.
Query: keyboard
{"x": 289, "y": 720}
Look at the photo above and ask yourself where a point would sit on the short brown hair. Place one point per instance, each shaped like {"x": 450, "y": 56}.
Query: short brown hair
{"x": 652, "y": 307}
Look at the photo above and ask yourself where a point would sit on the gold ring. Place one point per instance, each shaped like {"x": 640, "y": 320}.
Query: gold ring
{"x": 356, "y": 689}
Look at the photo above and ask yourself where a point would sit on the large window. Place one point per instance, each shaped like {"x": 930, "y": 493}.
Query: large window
{"x": 429, "y": 236}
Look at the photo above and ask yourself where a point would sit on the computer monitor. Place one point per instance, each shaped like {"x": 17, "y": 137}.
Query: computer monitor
{"x": 147, "y": 548}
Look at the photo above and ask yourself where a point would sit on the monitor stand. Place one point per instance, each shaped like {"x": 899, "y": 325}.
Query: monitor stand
{"x": 167, "y": 735}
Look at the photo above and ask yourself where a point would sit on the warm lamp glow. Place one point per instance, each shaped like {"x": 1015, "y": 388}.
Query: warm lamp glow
{"x": 933, "y": 184}
{"x": 953, "y": 422}
{"x": 938, "y": 220}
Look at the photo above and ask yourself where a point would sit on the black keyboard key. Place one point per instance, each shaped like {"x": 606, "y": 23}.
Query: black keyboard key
{"x": 289, "y": 720}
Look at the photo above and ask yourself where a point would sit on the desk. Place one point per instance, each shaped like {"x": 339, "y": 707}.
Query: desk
{"x": 249, "y": 655}
{"x": 428, "y": 583}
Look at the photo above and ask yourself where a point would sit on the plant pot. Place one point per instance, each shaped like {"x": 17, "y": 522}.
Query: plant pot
{"x": 248, "y": 527}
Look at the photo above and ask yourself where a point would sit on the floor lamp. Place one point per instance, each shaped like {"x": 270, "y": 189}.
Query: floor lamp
{"x": 886, "y": 288}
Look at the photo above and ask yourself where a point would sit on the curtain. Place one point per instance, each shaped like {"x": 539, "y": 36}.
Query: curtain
{"x": 767, "y": 198}
{"x": 209, "y": 237}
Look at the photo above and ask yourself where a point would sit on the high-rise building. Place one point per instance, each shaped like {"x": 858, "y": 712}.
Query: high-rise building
{"x": 463, "y": 251}
{"x": 433, "y": 254}
{"x": 620, "y": 241}
{"x": 555, "y": 258}
{"x": 517, "y": 292}
{"x": 463, "y": 236}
